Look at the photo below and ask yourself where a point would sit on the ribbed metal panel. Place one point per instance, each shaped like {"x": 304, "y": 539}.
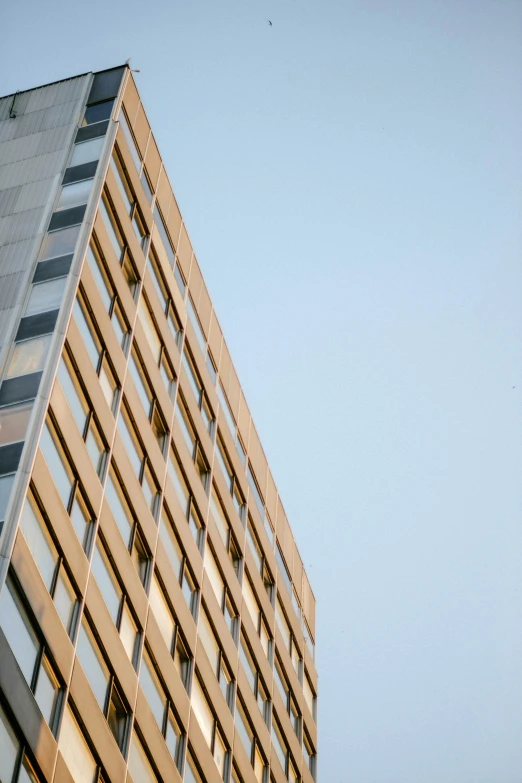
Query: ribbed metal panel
{"x": 8, "y": 199}
{"x": 23, "y": 225}
{"x": 35, "y": 194}
{"x": 21, "y": 102}
{"x": 31, "y": 170}
{"x": 20, "y": 149}
{"x": 15, "y": 257}
{"x": 44, "y": 119}
{"x": 10, "y": 290}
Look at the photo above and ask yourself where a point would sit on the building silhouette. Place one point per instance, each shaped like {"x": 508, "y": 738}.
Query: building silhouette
{"x": 156, "y": 621}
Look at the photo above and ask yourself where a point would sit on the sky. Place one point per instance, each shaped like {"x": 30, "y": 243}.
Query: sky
{"x": 351, "y": 179}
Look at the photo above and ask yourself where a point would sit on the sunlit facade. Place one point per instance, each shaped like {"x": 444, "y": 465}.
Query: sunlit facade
{"x": 156, "y": 621}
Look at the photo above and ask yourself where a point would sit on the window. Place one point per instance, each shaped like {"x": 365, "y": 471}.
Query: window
{"x": 162, "y": 708}
{"x": 216, "y": 658}
{"x": 103, "y": 684}
{"x": 162, "y": 290}
{"x": 87, "y": 151}
{"x": 162, "y": 611}
{"x": 256, "y": 614}
{"x": 6, "y": 483}
{"x": 250, "y": 743}
{"x": 148, "y": 400}
{"x": 179, "y": 562}
{"x": 50, "y": 564}
{"x": 225, "y": 407}
{"x": 230, "y": 478}
{"x": 83, "y": 415}
{"x": 30, "y": 654}
{"x": 220, "y": 518}
{"x": 254, "y": 678}
{"x": 138, "y": 459}
{"x": 185, "y": 498}
{"x": 255, "y": 492}
{"x": 309, "y": 696}
{"x": 107, "y": 292}
{"x": 309, "y": 640}
{"x": 221, "y": 592}
{"x": 67, "y": 484}
{"x": 288, "y": 698}
{"x": 128, "y": 197}
{"x": 15, "y": 764}
{"x": 192, "y": 442}
{"x": 45, "y": 296}
{"x": 98, "y": 112}
{"x": 109, "y": 385}
{"x": 117, "y": 602}
{"x": 60, "y": 243}
{"x": 75, "y": 750}
{"x": 112, "y": 227}
{"x": 210, "y": 728}
{"x": 144, "y": 179}
{"x": 88, "y": 332}
{"x": 191, "y": 771}
{"x": 211, "y": 367}
{"x": 198, "y": 390}
{"x": 74, "y": 195}
{"x": 194, "y": 320}
{"x": 28, "y": 356}
{"x": 289, "y": 639}
{"x": 309, "y": 754}
{"x": 282, "y": 752}
{"x": 140, "y": 765}
{"x": 13, "y": 422}
{"x": 259, "y": 557}
{"x": 124, "y": 124}
{"x": 162, "y": 230}
{"x": 283, "y": 569}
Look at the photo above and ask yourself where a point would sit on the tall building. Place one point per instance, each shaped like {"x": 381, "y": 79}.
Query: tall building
{"x": 156, "y": 621}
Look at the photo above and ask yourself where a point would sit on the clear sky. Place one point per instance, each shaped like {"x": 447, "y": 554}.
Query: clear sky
{"x": 351, "y": 178}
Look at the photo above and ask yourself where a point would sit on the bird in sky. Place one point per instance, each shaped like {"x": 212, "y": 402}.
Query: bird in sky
{"x": 270, "y": 23}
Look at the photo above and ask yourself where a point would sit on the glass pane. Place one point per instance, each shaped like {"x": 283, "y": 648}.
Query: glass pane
{"x": 157, "y": 278}
{"x": 108, "y": 385}
{"x": 93, "y": 664}
{"x": 100, "y": 275}
{"x": 81, "y": 521}
{"x": 141, "y": 383}
{"x": 87, "y": 151}
{"x": 45, "y": 296}
{"x": 57, "y": 464}
{"x": 73, "y": 393}
{"x": 6, "y": 483}
{"x": 117, "y": 718}
{"x": 123, "y": 185}
{"x": 161, "y": 611}
{"x": 202, "y": 711}
{"x": 75, "y": 750}
{"x": 26, "y": 774}
{"x": 18, "y": 632}
{"x": 189, "y": 592}
{"x": 139, "y": 765}
{"x": 164, "y": 235}
{"x": 243, "y": 730}
{"x": 88, "y": 333}
{"x": 39, "y": 541}
{"x": 170, "y": 542}
{"x": 95, "y": 448}
{"x": 65, "y": 602}
{"x": 208, "y": 640}
{"x": 150, "y": 329}
{"x": 132, "y": 147}
{"x": 130, "y": 441}
{"x": 98, "y": 112}
{"x": 179, "y": 279}
{"x": 140, "y": 559}
{"x": 60, "y": 243}
{"x": 182, "y": 663}
{"x": 202, "y": 340}
{"x": 128, "y": 633}
{"x": 47, "y": 690}
{"x": 219, "y": 517}
{"x": 255, "y": 493}
{"x": 146, "y": 186}
{"x": 75, "y": 194}
{"x": 168, "y": 377}
{"x": 248, "y": 664}
{"x": 13, "y": 422}
{"x": 192, "y": 376}
{"x": 214, "y": 576}
{"x": 130, "y": 274}
{"x": 220, "y": 754}
{"x": 28, "y": 356}
{"x": 112, "y": 227}
{"x": 9, "y": 747}
{"x": 187, "y": 430}
{"x": 107, "y": 581}
{"x": 178, "y": 479}
{"x": 173, "y": 738}
{"x": 150, "y": 489}
{"x": 152, "y": 690}
{"x": 119, "y": 507}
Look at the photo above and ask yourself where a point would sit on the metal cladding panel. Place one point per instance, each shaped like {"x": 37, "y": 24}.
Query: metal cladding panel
{"x": 34, "y": 147}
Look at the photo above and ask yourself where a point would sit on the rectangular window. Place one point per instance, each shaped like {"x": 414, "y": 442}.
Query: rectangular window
{"x": 6, "y": 484}
{"x": 194, "y": 320}
{"x": 162, "y": 230}
{"x": 122, "y": 182}
{"x": 60, "y": 243}
{"x": 162, "y": 709}
{"x": 309, "y": 696}
{"x": 88, "y": 332}
{"x": 14, "y": 420}
{"x": 46, "y": 296}
{"x": 124, "y": 124}
{"x": 75, "y": 194}
{"x": 144, "y": 179}
{"x": 98, "y": 112}
{"x": 255, "y": 492}
{"x": 283, "y": 570}
{"x": 30, "y": 654}
{"x": 254, "y": 678}
{"x": 28, "y": 356}
{"x": 75, "y": 750}
{"x": 209, "y": 726}
{"x": 140, "y": 766}
{"x": 185, "y": 497}
{"x": 87, "y": 151}
{"x": 225, "y": 407}
{"x": 112, "y": 227}
{"x": 50, "y": 564}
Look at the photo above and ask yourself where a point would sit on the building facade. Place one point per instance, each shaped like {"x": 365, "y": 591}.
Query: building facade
{"x": 156, "y": 621}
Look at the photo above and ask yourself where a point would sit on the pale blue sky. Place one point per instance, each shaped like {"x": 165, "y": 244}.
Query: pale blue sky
{"x": 352, "y": 182}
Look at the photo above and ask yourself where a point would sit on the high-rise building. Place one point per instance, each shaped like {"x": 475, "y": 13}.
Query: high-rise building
{"x": 156, "y": 621}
